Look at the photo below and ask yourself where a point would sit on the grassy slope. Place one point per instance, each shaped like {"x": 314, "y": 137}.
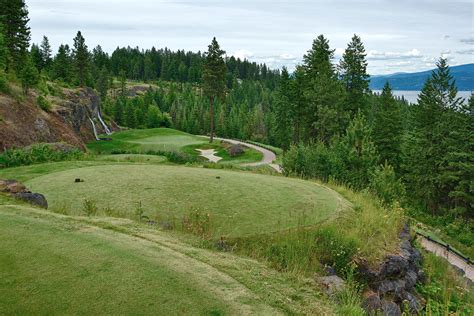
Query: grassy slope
{"x": 119, "y": 267}
{"x": 239, "y": 203}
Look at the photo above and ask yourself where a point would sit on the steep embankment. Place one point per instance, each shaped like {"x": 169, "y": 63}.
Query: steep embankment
{"x": 23, "y": 123}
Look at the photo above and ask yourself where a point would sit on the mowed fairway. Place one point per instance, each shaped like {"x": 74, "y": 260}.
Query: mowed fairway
{"x": 239, "y": 203}
{"x": 52, "y": 264}
{"x": 143, "y": 140}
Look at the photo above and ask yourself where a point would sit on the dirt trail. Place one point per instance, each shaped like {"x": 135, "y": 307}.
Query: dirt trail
{"x": 268, "y": 156}
{"x": 452, "y": 258}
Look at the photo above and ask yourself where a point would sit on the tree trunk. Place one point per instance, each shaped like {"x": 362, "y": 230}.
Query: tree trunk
{"x": 211, "y": 100}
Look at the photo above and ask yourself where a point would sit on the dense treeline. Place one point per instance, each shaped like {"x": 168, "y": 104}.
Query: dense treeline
{"x": 323, "y": 114}
{"x": 81, "y": 66}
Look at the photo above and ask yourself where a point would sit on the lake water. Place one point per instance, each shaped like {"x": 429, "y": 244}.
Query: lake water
{"x": 412, "y": 96}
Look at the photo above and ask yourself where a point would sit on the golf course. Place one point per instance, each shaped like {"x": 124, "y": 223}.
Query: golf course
{"x": 124, "y": 231}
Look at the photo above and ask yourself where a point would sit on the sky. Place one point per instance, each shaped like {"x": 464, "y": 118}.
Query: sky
{"x": 399, "y": 36}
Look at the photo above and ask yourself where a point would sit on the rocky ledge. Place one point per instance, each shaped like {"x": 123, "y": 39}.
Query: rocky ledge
{"x": 19, "y": 191}
{"x": 392, "y": 285}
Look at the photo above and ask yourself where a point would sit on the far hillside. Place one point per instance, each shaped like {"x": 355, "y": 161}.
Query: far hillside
{"x": 463, "y": 74}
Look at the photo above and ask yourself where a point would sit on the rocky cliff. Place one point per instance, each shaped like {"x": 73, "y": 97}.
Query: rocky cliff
{"x": 70, "y": 119}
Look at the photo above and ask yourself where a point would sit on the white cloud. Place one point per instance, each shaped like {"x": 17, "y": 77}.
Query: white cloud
{"x": 466, "y": 51}
{"x": 469, "y": 41}
{"x": 377, "y": 55}
{"x": 243, "y": 54}
{"x": 287, "y": 56}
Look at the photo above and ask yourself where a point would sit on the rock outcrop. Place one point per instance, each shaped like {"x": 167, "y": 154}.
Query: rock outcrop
{"x": 393, "y": 283}
{"x": 23, "y": 123}
{"x": 19, "y": 191}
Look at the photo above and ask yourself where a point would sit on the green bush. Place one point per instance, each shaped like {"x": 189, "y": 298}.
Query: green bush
{"x": 385, "y": 185}
{"x": 43, "y": 103}
{"x": 3, "y": 83}
{"x": 39, "y": 153}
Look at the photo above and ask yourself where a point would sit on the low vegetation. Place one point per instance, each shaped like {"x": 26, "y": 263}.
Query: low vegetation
{"x": 39, "y": 153}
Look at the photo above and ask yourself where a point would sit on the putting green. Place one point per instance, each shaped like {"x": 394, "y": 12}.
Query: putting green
{"x": 238, "y": 203}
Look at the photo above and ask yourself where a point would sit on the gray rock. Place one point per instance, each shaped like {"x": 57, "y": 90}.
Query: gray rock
{"x": 392, "y": 287}
{"x": 394, "y": 266}
{"x": 372, "y": 303}
{"x": 32, "y": 198}
{"x": 410, "y": 280}
{"x": 413, "y": 303}
{"x": 389, "y": 308}
{"x": 331, "y": 284}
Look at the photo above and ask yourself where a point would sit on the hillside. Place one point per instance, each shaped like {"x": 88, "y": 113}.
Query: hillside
{"x": 463, "y": 74}
{"x": 23, "y": 122}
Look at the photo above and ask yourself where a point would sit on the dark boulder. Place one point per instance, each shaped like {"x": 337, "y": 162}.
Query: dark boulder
{"x": 395, "y": 279}
{"x": 32, "y": 198}
{"x": 389, "y": 308}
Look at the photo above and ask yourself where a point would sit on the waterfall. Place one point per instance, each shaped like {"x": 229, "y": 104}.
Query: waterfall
{"x": 107, "y": 130}
{"x": 93, "y": 127}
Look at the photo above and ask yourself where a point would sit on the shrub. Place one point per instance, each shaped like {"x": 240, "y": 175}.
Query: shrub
{"x": 89, "y": 207}
{"x": 3, "y": 83}
{"x": 235, "y": 150}
{"x": 43, "y": 103}
{"x": 385, "y": 185}
{"x": 39, "y": 153}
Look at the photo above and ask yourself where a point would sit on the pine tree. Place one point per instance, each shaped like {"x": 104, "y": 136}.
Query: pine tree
{"x": 130, "y": 116}
{"x": 45, "y": 52}
{"x": 3, "y": 49}
{"x": 213, "y": 78}
{"x": 14, "y": 17}
{"x": 283, "y": 113}
{"x": 103, "y": 83}
{"x": 154, "y": 116}
{"x": 61, "y": 67}
{"x": 81, "y": 58}
{"x": 323, "y": 93}
{"x": 388, "y": 129}
{"x": 360, "y": 153}
{"x": 35, "y": 55}
{"x": 353, "y": 73}
{"x": 428, "y": 143}
{"x": 29, "y": 75}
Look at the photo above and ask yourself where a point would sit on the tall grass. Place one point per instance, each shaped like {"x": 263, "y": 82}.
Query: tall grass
{"x": 366, "y": 230}
{"x": 446, "y": 292}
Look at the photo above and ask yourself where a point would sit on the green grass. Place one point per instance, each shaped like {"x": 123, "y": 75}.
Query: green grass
{"x": 166, "y": 139}
{"x": 445, "y": 290}
{"x": 137, "y": 158}
{"x": 143, "y": 140}
{"x": 111, "y": 266}
{"x": 249, "y": 154}
{"x": 239, "y": 203}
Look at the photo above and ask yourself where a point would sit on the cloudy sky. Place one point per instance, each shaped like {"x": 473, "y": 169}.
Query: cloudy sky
{"x": 399, "y": 35}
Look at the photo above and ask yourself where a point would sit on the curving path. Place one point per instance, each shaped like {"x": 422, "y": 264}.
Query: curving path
{"x": 268, "y": 156}
{"x": 452, "y": 258}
